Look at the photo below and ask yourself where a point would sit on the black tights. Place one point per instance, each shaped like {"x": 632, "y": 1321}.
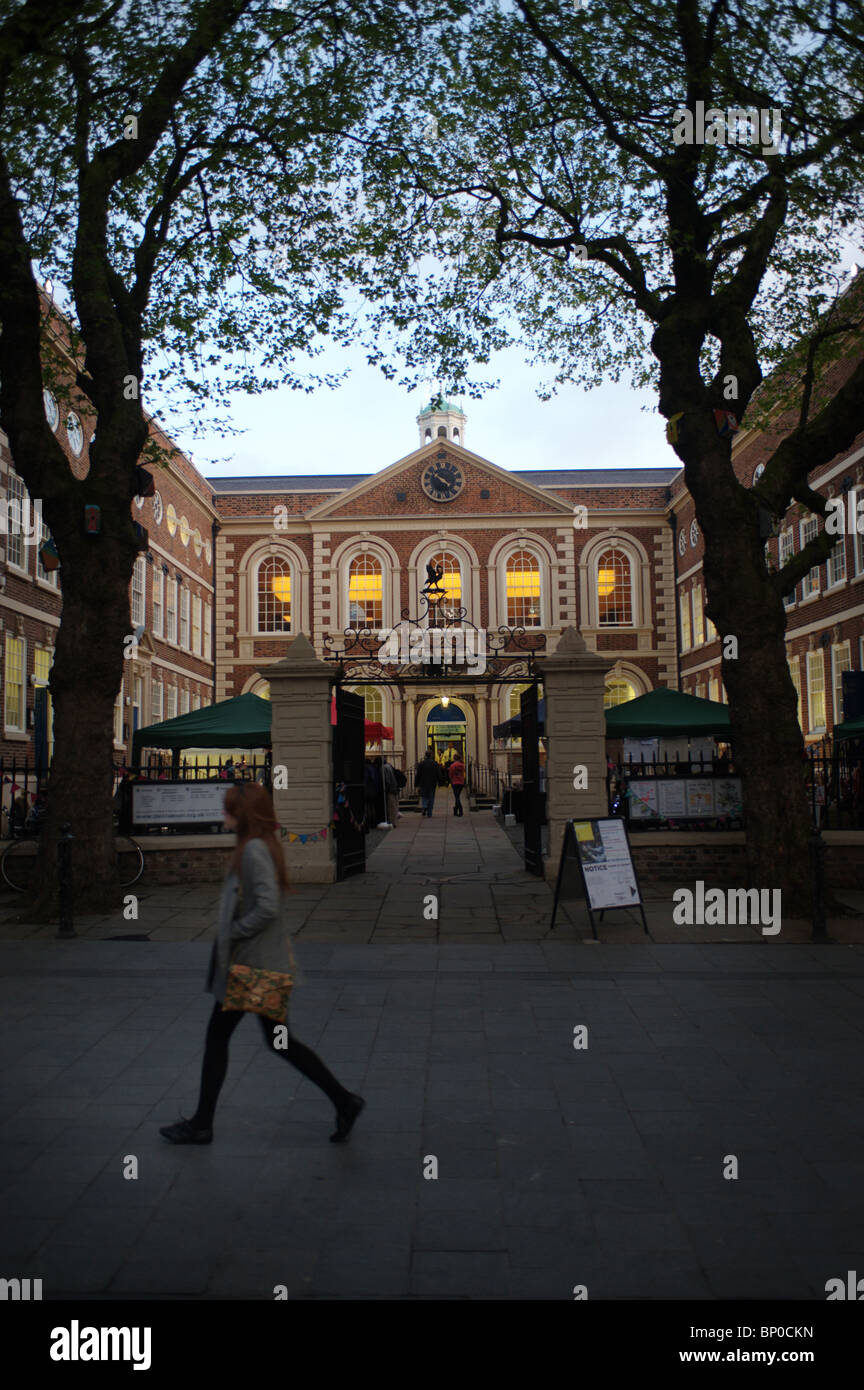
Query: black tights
{"x": 219, "y": 1030}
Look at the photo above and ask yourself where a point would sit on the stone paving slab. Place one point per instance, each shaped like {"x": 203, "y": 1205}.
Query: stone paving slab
{"x": 556, "y": 1165}
{"x": 467, "y": 864}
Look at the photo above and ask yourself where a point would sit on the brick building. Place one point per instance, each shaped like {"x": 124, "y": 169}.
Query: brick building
{"x": 171, "y": 595}
{"x": 541, "y": 551}
{"x": 825, "y": 613}
{"x": 236, "y": 567}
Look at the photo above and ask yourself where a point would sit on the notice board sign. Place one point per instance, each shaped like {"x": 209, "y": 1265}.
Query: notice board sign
{"x": 596, "y": 857}
{"x": 178, "y": 803}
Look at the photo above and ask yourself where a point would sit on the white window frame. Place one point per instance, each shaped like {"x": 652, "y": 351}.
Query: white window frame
{"x": 206, "y": 630}
{"x": 16, "y": 492}
{"x": 632, "y": 561}
{"x": 839, "y": 651}
{"x": 540, "y": 560}
{"x": 171, "y": 610}
{"x": 287, "y": 560}
{"x": 158, "y": 603}
{"x": 171, "y": 702}
{"x": 816, "y": 662}
{"x": 184, "y": 701}
{"x": 184, "y": 618}
{"x": 794, "y": 664}
{"x": 196, "y": 625}
{"x": 22, "y": 727}
{"x": 137, "y": 595}
{"x": 698, "y": 617}
{"x": 786, "y": 549}
{"x": 835, "y": 567}
{"x": 686, "y": 634}
{"x": 811, "y": 583}
{"x": 157, "y": 702}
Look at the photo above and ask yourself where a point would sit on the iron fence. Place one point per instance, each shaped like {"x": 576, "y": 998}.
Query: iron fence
{"x": 24, "y": 783}
{"x": 657, "y": 794}
{"x": 484, "y": 781}
{"x": 834, "y": 780}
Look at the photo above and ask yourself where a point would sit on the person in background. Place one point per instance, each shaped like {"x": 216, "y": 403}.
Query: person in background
{"x": 251, "y": 930}
{"x": 374, "y": 793}
{"x": 457, "y": 782}
{"x": 391, "y": 792}
{"x": 426, "y": 781}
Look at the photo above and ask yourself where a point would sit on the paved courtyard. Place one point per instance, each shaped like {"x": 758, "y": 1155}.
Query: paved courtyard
{"x": 494, "y": 1159}
{"x": 468, "y": 865}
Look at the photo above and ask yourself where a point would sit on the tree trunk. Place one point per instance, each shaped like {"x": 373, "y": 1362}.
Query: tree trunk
{"x": 767, "y": 743}
{"x": 85, "y": 678}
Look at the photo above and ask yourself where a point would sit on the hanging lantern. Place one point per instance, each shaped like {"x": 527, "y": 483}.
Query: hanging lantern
{"x": 672, "y": 427}
{"x": 49, "y": 557}
{"x": 726, "y": 422}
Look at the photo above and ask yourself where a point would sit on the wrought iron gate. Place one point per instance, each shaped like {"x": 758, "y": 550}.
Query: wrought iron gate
{"x": 349, "y": 791}
{"x": 532, "y": 801}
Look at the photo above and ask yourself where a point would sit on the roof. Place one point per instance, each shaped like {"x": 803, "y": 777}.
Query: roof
{"x": 664, "y": 711}
{"x": 552, "y": 478}
{"x": 439, "y": 406}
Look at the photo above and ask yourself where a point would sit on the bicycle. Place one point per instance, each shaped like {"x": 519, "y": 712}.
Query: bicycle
{"x": 17, "y": 863}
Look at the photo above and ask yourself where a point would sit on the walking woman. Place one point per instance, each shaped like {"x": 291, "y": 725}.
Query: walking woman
{"x": 251, "y": 932}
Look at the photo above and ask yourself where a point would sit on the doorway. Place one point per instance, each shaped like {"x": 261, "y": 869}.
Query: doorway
{"x": 446, "y": 727}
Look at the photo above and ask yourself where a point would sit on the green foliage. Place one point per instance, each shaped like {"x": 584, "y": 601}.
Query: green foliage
{"x": 230, "y": 247}
{"x": 555, "y": 131}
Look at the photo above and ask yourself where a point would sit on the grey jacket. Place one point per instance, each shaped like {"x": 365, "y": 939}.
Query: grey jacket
{"x": 260, "y": 936}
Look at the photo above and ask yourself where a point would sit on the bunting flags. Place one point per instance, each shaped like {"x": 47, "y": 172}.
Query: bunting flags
{"x": 306, "y": 836}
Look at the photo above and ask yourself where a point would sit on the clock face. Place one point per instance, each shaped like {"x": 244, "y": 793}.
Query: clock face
{"x": 442, "y": 480}
{"x": 694, "y": 531}
{"x": 682, "y": 541}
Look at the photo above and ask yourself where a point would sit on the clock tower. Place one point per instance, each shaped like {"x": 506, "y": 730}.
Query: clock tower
{"x": 442, "y": 419}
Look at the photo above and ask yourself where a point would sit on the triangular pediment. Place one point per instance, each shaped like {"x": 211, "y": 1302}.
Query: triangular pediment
{"x": 398, "y": 490}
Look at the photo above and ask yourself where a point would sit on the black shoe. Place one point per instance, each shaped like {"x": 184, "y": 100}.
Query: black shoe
{"x": 185, "y": 1133}
{"x": 345, "y": 1119}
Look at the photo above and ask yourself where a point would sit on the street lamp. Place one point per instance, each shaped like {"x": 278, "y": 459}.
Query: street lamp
{"x": 445, "y": 700}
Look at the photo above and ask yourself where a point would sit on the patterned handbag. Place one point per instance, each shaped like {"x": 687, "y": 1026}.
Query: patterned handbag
{"x": 252, "y": 990}
{"x": 255, "y": 991}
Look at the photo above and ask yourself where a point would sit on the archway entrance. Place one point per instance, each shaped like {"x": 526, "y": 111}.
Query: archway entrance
{"x": 445, "y": 731}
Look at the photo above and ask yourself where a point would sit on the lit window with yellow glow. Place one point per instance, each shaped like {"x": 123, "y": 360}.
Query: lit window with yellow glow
{"x": 274, "y": 595}
{"x": 523, "y": 590}
{"x": 451, "y": 579}
{"x": 373, "y": 702}
{"x": 614, "y": 595}
{"x": 617, "y": 692}
{"x": 365, "y": 592}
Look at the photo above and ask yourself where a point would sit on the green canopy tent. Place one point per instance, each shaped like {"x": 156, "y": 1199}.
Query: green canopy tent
{"x": 670, "y": 712}
{"x": 242, "y": 722}
{"x": 853, "y": 728}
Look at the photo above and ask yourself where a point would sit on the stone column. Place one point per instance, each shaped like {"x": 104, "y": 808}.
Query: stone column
{"x": 303, "y": 744}
{"x": 573, "y": 680}
{"x": 410, "y": 715}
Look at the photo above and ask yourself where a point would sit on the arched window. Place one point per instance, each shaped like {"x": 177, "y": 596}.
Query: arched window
{"x": 614, "y": 589}
{"x": 617, "y": 692}
{"x": 365, "y": 592}
{"x": 451, "y": 579}
{"x": 523, "y": 590}
{"x": 373, "y": 702}
{"x": 274, "y": 595}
